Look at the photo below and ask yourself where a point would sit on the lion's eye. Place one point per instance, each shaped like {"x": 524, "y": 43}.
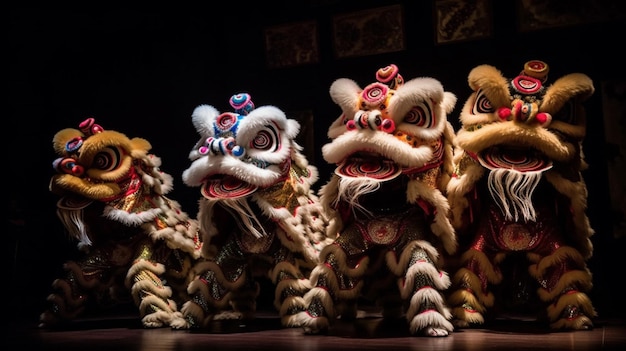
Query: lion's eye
{"x": 108, "y": 159}
{"x": 421, "y": 115}
{"x": 267, "y": 139}
{"x": 482, "y": 104}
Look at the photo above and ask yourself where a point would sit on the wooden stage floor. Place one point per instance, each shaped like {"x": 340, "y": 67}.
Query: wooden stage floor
{"x": 265, "y": 333}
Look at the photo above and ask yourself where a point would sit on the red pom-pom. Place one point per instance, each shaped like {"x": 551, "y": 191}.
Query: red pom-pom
{"x": 504, "y": 113}
{"x": 543, "y": 118}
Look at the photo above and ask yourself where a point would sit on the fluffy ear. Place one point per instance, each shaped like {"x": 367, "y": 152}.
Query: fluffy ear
{"x": 449, "y": 101}
{"x": 60, "y": 139}
{"x": 139, "y": 147}
{"x": 264, "y": 115}
{"x": 202, "y": 119}
{"x": 414, "y": 92}
{"x": 345, "y": 93}
{"x": 292, "y": 128}
{"x": 565, "y": 88}
{"x": 493, "y": 84}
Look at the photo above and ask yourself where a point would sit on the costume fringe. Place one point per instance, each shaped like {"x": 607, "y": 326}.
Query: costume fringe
{"x": 512, "y": 192}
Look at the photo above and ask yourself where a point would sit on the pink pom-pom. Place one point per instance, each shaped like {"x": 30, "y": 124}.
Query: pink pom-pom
{"x": 387, "y": 126}
{"x": 351, "y": 125}
{"x": 386, "y": 74}
{"x": 86, "y": 124}
{"x": 96, "y": 128}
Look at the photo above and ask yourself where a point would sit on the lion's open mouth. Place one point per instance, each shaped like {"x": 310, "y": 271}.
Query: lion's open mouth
{"x": 226, "y": 187}
{"x": 369, "y": 166}
{"x": 514, "y": 158}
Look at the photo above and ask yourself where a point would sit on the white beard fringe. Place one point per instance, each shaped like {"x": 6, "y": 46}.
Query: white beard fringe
{"x": 350, "y": 189}
{"x": 240, "y": 208}
{"x": 512, "y": 191}
{"x": 74, "y": 223}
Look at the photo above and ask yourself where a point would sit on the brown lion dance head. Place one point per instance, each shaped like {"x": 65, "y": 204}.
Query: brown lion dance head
{"x": 121, "y": 176}
{"x": 520, "y": 131}
{"x": 392, "y": 147}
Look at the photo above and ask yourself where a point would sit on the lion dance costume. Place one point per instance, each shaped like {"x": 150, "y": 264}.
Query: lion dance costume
{"x": 258, "y": 216}
{"x": 134, "y": 241}
{"x": 392, "y": 147}
{"x": 518, "y": 191}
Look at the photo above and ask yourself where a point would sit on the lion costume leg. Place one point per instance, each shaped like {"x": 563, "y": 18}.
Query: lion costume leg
{"x": 564, "y": 280}
{"x": 472, "y": 297}
{"x": 291, "y": 285}
{"x": 149, "y": 291}
{"x": 220, "y": 285}
{"x": 334, "y": 282}
{"x": 71, "y": 294}
{"x": 421, "y": 287}
{"x": 91, "y": 278}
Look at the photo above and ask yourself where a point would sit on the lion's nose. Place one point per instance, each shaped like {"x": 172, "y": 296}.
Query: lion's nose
{"x": 371, "y": 120}
{"x": 524, "y": 112}
{"x": 221, "y": 146}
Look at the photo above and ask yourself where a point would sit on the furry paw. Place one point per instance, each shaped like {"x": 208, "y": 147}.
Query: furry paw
{"x": 315, "y": 326}
{"x": 179, "y": 324}
{"x": 431, "y": 331}
{"x": 152, "y": 324}
{"x": 581, "y": 322}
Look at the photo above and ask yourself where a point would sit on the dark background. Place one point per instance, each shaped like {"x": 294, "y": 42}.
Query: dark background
{"x": 143, "y": 71}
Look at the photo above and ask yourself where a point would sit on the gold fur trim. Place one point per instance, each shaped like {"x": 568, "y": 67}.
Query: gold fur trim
{"x": 580, "y": 280}
{"x": 562, "y": 254}
{"x": 484, "y": 265}
{"x": 577, "y": 299}
{"x": 465, "y": 277}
